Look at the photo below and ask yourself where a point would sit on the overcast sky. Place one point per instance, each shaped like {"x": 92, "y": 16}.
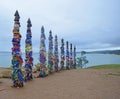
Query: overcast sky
{"x": 88, "y": 24}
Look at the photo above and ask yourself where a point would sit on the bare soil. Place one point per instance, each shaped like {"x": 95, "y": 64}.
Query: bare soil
{"x": 67, "y": 84}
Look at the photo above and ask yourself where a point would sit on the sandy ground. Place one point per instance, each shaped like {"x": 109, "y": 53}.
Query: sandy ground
{"x": 72, "y": 84}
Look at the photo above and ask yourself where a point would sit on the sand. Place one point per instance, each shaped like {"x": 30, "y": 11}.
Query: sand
{"x": 70, "y": 84}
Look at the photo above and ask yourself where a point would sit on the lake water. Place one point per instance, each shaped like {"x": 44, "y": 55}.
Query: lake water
{"x": 94, "y": 59}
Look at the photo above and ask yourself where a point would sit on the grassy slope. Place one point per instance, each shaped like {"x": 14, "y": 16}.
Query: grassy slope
{"x": 108, "y": 66}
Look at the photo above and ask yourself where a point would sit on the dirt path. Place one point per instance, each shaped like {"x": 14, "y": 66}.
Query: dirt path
{"x": 72, "y": 84}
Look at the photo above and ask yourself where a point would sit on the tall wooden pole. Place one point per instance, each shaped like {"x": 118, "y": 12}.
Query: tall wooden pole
{"x": 50, "y": 53}
{"x": 74, "y": 57}
{"x": 62, "y": 54}
{"x": 28, "y": 51}
{"x": 67, "y": 56}
{"x": 56, "y": 58}
{"x": 71, "y": 57}
{"x": 17, "y": 61}
{"x": 42, "y": 57}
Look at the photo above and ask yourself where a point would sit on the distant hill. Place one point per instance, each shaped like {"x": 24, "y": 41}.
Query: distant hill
{"x": 117, "y": 52}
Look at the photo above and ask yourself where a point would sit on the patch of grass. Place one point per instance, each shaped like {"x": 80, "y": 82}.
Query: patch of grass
{"x": 5, "y": 74}
{"x": 108, "y": 66}
{"x": 114, "y": 74}
{"x": 9, "y": 68}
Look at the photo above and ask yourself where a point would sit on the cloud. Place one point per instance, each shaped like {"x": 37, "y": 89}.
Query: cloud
{"x": 88, "y": 24}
